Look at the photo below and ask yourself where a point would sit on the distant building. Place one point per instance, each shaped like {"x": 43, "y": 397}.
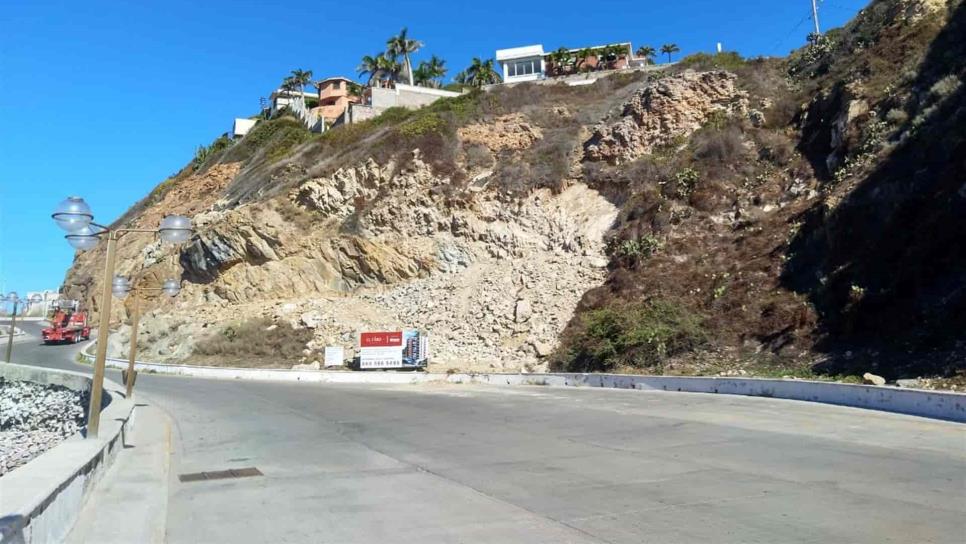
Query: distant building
{"x": 531, "y": 62}
{"x": 522, "y": 63}
{"x": 282, "y": 98}
{"x": 241, "y": 127}
{"x": 334, "y": 98}
{"x": 42, "y": 308}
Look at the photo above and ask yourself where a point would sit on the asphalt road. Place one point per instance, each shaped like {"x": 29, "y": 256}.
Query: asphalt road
{"x": 461, "y": 463}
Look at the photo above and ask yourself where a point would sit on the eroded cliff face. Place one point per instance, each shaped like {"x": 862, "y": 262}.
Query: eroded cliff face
{"x": 664, "y": 113}
{"x": 689, "y": 221}
{"x": 493, "y": 280}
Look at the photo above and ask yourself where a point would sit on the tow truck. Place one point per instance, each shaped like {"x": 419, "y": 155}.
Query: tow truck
{"x": 68, "y": 325}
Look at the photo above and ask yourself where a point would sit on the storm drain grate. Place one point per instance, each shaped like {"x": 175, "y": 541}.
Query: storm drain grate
{"x": 220, "y": 474}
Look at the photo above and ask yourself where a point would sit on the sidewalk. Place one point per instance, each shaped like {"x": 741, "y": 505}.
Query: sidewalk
{"x": 130, "y": 502}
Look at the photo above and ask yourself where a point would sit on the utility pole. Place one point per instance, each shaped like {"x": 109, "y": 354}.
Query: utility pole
{"x": 815, "y": 17}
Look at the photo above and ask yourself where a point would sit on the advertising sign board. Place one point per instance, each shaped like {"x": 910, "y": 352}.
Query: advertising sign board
{"x": 393, "y": 349}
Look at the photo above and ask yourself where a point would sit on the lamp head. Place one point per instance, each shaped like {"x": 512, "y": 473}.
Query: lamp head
{"x": 73, "y": 214}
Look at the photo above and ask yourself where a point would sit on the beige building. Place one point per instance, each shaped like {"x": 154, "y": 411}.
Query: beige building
{"x": 334, "y": 98}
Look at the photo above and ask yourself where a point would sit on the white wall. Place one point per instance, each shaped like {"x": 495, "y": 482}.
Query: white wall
{"x": 407, "y": 96}
{"x": 241, "y": 127}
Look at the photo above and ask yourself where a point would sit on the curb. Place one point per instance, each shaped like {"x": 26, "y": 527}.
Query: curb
{"x": 942, "y": 405}
{"x": 42, "y": 499}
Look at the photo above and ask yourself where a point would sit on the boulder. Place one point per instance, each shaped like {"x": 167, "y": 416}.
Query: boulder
{"x": 522, "y": 311}
{"x": 312, "y": 319}
{"x": 542, "y": 349}
{"x": 872, "y": 379}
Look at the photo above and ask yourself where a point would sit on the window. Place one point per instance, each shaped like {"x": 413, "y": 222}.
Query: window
{"x": 523, "y": 67}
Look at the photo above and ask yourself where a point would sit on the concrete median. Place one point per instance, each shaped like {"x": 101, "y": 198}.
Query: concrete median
{"x": 40, "y": 501}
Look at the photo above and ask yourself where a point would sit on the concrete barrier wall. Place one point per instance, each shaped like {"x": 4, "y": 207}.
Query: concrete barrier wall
{"x": 918, "y": 402}
{"x": 40, "y": 501}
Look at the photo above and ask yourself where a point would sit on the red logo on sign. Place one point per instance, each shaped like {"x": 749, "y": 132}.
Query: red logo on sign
{"x": 380, "y": 339}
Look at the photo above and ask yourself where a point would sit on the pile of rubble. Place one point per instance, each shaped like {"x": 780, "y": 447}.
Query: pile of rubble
{"x": 35, "y": 418}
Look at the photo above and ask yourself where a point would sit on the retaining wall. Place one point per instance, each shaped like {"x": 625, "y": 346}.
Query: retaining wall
{"x": 918, "y": 402}
{"x": 40, "y": 501}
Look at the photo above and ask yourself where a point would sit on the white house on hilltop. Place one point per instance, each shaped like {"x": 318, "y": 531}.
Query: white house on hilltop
{"x": 531, "y": 62}
{"x": 522, "y": 63}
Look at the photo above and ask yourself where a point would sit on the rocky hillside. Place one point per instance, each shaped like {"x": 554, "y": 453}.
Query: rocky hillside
{"x": 772, "y": 216}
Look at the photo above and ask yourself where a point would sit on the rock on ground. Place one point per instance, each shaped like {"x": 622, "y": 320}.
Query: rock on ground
{"x": 35, "y": 418}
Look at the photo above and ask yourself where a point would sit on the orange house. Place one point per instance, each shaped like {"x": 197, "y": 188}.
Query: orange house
{"x": 334, "y": 98}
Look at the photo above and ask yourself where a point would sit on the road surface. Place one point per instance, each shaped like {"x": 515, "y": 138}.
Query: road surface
{"x": 462, "y": 463}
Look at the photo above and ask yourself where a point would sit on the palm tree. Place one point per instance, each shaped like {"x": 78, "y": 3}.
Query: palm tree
{"x": 402, "y": 45}
{"x": 669, "y": 48}
{"x": 388, "y": 68}
{"x": 369, "y": 66}
{"x": 608, "y": 55}
{"x": 421, "y": 75}
{"x": 300, "y": 78}
{"x": 431, "y": 72}
{"x": 583, "y": 56}
{"x": 460, "y": 77}
{"x": 560, "y": 58}
{"x": 481, "y": 73}
{"x": 647, "y": 53}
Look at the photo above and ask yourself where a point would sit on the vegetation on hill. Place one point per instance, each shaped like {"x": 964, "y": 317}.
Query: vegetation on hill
{"x": 868, "y": 274}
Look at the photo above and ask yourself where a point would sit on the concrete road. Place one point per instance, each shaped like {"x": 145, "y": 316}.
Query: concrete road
{"x": 460, "y": 463}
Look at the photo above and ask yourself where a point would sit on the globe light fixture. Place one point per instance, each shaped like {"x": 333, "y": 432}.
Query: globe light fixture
{"x": 73, "y": 214}
{"x": 175, "y": 229}
{"x": 83, "y": 239}
{"x": 171, "y": 287}
{"x": 120, "y": 286}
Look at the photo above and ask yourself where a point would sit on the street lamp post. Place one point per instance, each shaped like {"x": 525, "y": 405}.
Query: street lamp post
{"x": 74, "y": 216}
{"x": 12, "y": 298}
{"x": 121, "y": 287}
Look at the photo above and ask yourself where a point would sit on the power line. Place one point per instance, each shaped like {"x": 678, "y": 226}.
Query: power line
{"x": 790, "y": 32}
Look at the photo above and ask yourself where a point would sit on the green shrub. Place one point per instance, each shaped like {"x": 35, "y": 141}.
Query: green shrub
{"x": 275, "y": 138}
{"x": 719, "y": 144}
{"x": 686, "y": 180}
{"x": 429, "y": 123}
{"x": 644, "y": 246}
{"x": 897, "y": 116}
{"x": 728, "y": 60}
{"x": 944, "y": 87}
{"x": 253, "y": 341}
{"x": 638, "y": 336}
{"x": 393, "y": 116}
{"x": 204, "y": 154}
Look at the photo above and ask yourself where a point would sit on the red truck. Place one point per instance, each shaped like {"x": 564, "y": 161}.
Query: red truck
{"x": 68, "y": 325}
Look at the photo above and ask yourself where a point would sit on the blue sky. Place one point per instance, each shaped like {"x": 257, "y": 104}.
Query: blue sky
{"x": 106, "y": 99}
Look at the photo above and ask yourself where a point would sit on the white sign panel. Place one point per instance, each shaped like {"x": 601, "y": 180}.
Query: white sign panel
{"x": 334, "y": 356}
